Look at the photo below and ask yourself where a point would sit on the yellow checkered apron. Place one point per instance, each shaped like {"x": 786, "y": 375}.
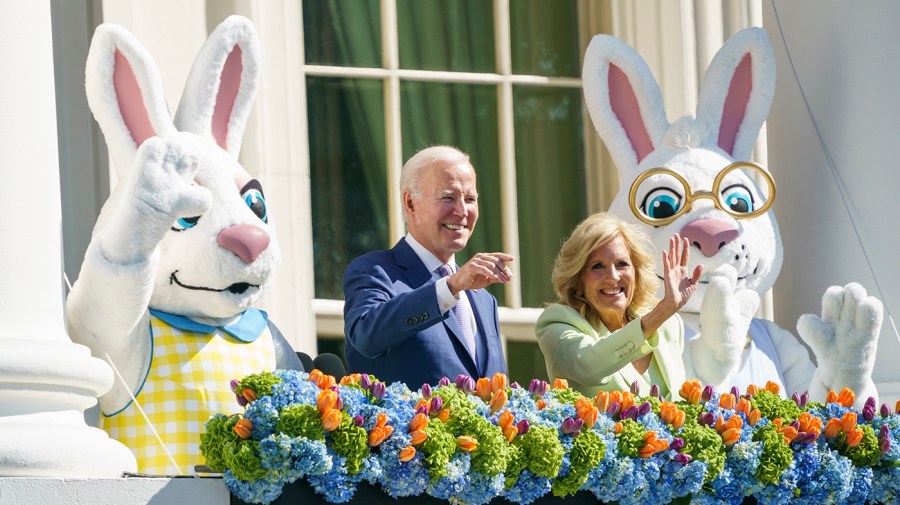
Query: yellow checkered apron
{"x": 187, "y": 383}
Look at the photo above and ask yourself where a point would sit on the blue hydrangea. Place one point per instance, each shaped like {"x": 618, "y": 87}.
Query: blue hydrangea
{"x": 398, "y": 478}
{"x": 886, "y": 485}
{"x": 528, "y": 488}
{"x": 264, "y": 416}
{"x": 335, "y": 486}
{"x": 481, "y": 489}
{"x": 256, "y": 491}
{"x": 455, "y": 481}
{"x": 294, "y": 388}
{"x": 862, "y": 486}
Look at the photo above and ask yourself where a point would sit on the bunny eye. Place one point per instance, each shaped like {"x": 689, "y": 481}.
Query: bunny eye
{"x": 257, "y": 203}
{"x": 738, "y": 199}
{"x": 661, "y": 202}
{"x": 184, "y": 223}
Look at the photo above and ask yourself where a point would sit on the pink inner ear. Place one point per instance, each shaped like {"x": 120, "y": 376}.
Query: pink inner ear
{"x": 625, "y": 106}
{"x": 735, "y": 107}
{"x": 131, "y": 101}
{"x": 229, "y": 83}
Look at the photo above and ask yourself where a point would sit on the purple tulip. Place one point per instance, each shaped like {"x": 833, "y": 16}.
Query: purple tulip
{"x": 515, "y": 385}
{"x": 365, "y": 381}
{"x": 795, "y": 424}
{"x": 422, "y": 410}
{"x": 676, "y": 444}
{"x": 706, "y": 419}
{"x": 885, "y": 410}
{"x": 358, "y": 420}
{"x": 241, "y": 400}
{"x": 654, "y": 390}
{"x": 805, "y": 437}
{"x": 796, "y": 398}
{"x": 631, "y": 412}
{"x": 683, "y": 458}
{"x": 804, "y": 399}
{"x": 235, "y": 384}
{"x": 426, "y": 391}
{"x": 644, "y": 409}
{"x": 635, "y": 388}
{"x": 572, "y": 426}
{"x": 613, "y": 409}
{"x": 708, "y": 392}
{"x": 868, "y": 412}
{"x": 468, "y": 385}
{"x": 537, "y": 387}
{"x": 444, "y": 381}
{"x": 436, "y": 404}
{"x": 884, "y": 439}
{"x": 735, "y": 391}
{"x": 885, "y": 445}
{"x": 334, "y": 388}
{"x": 339, "y": 403}
{"x": 377, "y": 389}
{"x": 884, "y": 432}
{"x": 460, "y": 380}
{"x": 523, "y": 426}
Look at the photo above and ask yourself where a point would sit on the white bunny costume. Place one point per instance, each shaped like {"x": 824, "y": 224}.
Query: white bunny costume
{"x": 185, "y": 234}
{"x": 706, "y": 196}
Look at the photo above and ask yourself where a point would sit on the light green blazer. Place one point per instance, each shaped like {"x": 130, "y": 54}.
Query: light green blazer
{"x": 592, "y": 360}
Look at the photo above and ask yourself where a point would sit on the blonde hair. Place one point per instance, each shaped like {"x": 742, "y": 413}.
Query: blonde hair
{"x": 592, "y": 233}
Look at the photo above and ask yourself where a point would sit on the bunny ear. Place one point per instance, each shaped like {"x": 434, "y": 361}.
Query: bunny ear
{"x": 737, "y": 92}
{"x": 624, "y": 101}
{"x": 222, "y": 85}
{"x": 124, "y": 92}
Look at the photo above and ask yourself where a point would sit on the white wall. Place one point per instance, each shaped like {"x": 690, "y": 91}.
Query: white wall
{"x": 847, "y": 58}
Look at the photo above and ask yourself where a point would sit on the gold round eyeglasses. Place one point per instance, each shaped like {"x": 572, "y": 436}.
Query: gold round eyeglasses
{"x": 672, "y": 196}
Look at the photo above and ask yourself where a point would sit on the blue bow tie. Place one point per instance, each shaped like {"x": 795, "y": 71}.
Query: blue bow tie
{"x": 247, "y": 329}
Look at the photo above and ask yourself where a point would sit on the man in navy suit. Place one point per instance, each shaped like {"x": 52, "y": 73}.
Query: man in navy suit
{"x": 412, "y": 315}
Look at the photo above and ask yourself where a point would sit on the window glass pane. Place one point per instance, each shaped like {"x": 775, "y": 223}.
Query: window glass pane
{"x": 525, "y": 362}
{"x": 544, "y": 36}
{"x": 455, "y": 35}
{"x": 342, "y": 32}
{"x": 464, "y": 116}
{"x": 348, "y": 175}
{"x": 549, "y": 179}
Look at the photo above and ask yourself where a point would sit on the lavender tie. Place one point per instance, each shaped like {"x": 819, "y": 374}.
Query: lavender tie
{"x": 461, "y": 315}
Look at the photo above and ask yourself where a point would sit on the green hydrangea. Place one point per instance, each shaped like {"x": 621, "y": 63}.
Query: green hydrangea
{"x": 569, "y": 396}
{"x": 776, "y": 456}
{"x": 219, "y": 430}
{"x": 867, "y": 453}
{"x": 691, "y": 410}
{"x": 517, "y": 462}
{"x": 299, "y": 420}
{"x": 772, "y": 406}
{"x": 242, "y": 458}
{"x": 542, "y": 449}
{"x": 437, "y": 448}
{"x": 587, "y": 452}
{"x": 492, "y": 454}
{"x": 260, "y": 383}
{"x": 351, "y": 442}
{"x": 704, "y": 443}
{"x": 631, "y": 439}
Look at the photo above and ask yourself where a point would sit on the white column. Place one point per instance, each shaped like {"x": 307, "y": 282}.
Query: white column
{"x": 46, "y": 381}
{"x": 846, "y": 58}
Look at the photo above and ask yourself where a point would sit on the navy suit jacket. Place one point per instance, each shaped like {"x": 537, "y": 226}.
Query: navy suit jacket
{"x": 394, "y": 328}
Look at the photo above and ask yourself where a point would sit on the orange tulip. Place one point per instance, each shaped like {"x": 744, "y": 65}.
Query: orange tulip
{"x": 326, "y": 381}
{"x": 407, "y": 453}
{"x": 734, "y": 422}
{"x": 467, "y": 443}
{"x": 831, "y": 397}
{"x": 617, "y": 428}
{"x": 331, "y": 419}
{"x": 848, "y": 422}
{"x": 660, "y": 445}
{"x": 846, "y": 397}
{"x": 832, "y": 428}
{"x": 418, "y": 422}
{"x": 249, "y": 394}
{"x": 680, "y": 417}
{"x": 381, "y": 420}
{"x": 315, "y": 375}
{"x": 777, "y": 422}
{"x": 752, "y": 390}
{"x": 726, "y": 401}
{"x": 897, "y": 407}
{"x": 646, "y": 451}
{"x": 601, "y": 401}
{"x": 810, "y": 423}
{"x": 720, "y": 424}
{"x": 627, "y": 401}
{"x": 743, "y": 405}
{"x": 498, "y": 401}
{"x": 326, "y": 400}
{"x": 379, "y": 434}
{"x": 789, "y": 433}
{"x": 541, "y": 404}
{"x": 418, "y": 437}
{"x": 731, "y": 436}
{"x": 483, "y": 389}
{"x": 772, "y": 387}
{"x": 589, "y": 417}
{"x": 754, "y": 416}
{"x": 422, "y": 403}
{"x": 444, "y": 415}
{"x": 560, "y": 383}
{"x": 689, "y": 388}
{"x": 854, "y": 437}
{"x": 510, "y": 432}
{"x": 498, "y": 382}
{"x": 506, "y": 419}
{"x": 244, "y": 428}
{"x": 350, "y": 379}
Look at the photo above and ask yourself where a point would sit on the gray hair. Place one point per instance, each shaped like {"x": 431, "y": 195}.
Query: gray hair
{"x": 411, "y": 173}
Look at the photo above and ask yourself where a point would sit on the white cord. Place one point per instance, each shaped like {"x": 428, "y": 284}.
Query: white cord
{"x": 131, "y": 394}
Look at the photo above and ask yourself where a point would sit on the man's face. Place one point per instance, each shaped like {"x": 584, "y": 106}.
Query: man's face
{"x": 443, "y": 215}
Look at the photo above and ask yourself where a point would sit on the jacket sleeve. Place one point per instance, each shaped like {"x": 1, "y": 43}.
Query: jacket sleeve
{"x": 584, "y": 355}
{"x": 380, "y": 313}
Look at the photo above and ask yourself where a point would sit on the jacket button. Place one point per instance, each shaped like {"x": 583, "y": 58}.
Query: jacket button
{"x": 409, "y": 321}
{"x": 425, "y": 315}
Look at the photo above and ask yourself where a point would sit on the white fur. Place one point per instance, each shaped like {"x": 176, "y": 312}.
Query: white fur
{"x": 178, "y": 172}
{"x": 735, "y": 277}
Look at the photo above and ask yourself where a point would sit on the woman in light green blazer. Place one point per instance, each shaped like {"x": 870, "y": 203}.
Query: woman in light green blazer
{"x": 606, "y": 329}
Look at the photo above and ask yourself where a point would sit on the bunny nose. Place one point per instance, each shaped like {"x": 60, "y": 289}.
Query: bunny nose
{"x": 709, "y": 235}
{"x": 244, "y": 240}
